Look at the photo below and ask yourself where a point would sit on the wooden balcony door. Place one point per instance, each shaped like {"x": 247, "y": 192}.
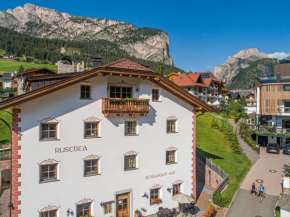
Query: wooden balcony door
{"x": 123, "y": 205}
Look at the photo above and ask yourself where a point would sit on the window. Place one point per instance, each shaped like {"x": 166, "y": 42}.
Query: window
{"x": 287, "y": 87}
{"x": 130, "y": 127}
{"x": 51, "y": 213}
{"x": 49, "y": 131}
{"x": 176, "y": 189}
{"x": 170, "y": 157}
{"x": 91, "y": 167}
{"x": 83, "y": 209}
{"x": 91, "y": 129}
{"x": 130, "y": 162}
{"x": 155, "y": 95}
{"x": 120, "y": 92}
{"x": 48, "y": 172}
{"x": 85, "y": 91}
{"x": 171, "y": 126}
{"x": 108, "y": 208}
{"x": 155, "y": 196}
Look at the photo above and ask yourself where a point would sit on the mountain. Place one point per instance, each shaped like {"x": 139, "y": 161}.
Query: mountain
{"x": 143, "y": 43}
{"x": 239, "y": 71}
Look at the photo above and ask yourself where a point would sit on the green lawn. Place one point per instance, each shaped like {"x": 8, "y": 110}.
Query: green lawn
{"x": 4, "y": 130}
{"x": 12, "y": 66}
{"x": 213, "y": 144}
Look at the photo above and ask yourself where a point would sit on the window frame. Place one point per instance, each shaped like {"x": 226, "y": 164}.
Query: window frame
{"x": 173, "y": 189}
{"x": 168, "y": 126}
{"x": 41, "y": 180}
{"x": 158, "y": 95}
{"x": 168, "y": 156}
{"x": 121, "y": 91}
{"x": 135, "y": 128}
{"x": 97, "y": 166}
{"x": 110, "y": 209}
{"x": 49, "y": 138}
{"x": 90, "y": 209}
{"x": 55, "y": 211}
{"x": 135, "y": 162}
{"x": 97, "y": 129}
{"x": 90, "y": 91}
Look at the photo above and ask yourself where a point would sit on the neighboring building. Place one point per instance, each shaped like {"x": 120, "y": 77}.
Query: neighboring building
{"x": 234, "y": 95}
{"x": 203, "y": 85}
{"x": 284, "y": 204}
{"x": 282, "y": 69}
{"x": 251, "y": 120}
{"x": 106, "y": 142}
{"x": 273, "y": 105}
{"x": 6, "y": 80}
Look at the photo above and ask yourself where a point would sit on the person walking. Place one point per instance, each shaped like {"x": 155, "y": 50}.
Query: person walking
{"x": 253, "y": 190}
{"x": 261, "y": 192}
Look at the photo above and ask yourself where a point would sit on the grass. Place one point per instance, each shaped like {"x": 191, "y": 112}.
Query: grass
{"x": 277, "y": 211}
{"x": 12, "y": 66}
{"x": 4, "y": 130}
{"x": 213, "y": 144}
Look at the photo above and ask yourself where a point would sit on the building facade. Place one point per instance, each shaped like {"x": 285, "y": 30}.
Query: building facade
{"x": 203, "y": 85}
{"x": 103, "y": 143}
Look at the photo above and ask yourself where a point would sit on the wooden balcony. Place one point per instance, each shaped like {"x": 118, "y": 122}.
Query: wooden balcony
{"x": 128, "y": 106}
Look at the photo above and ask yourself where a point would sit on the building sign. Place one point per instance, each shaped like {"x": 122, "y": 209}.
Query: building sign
{"x": 71, "y": 149}
{"x": 160, "y": 175}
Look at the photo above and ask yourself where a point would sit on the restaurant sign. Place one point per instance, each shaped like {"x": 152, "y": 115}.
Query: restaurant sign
{"x": 160, "y": 175}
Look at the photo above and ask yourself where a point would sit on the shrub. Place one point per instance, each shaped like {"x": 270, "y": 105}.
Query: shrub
{"x": 219, "y": 200}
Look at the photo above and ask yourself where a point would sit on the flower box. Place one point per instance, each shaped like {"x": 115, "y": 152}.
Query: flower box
{"x": 156, "y": 201}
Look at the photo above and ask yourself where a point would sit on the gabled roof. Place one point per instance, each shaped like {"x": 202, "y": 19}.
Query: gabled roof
{"x": 127, "y": 64}
{"x": 26, "y": 73}
{"x": 126, "y": 68}
{"x": 235, "y": 95}
{"x": 284, "y": 202}
{"x": 188, "y": 79}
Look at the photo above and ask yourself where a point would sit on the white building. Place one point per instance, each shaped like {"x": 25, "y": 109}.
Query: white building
{"x": 79, "y": 148}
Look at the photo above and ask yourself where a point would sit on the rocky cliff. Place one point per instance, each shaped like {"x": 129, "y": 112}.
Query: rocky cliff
{"x": 235, "y": 65}
{"x": 144, "y": 43}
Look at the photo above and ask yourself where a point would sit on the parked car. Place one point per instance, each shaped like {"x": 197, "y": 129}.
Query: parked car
{"x": 273, "y": 148}
{"x": 286, "y": 150}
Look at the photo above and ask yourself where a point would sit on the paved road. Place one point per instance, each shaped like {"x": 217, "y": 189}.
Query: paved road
{"x": 243, "y": 205}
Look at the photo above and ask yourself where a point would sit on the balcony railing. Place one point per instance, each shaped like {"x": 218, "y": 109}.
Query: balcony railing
{"x": 120, "y": 106}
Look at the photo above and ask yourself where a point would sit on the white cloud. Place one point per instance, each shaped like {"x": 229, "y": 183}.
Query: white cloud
{"x": 278, "y": 55}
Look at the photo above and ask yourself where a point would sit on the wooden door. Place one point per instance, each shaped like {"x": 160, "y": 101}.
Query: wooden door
{"x": 123, "y": 205}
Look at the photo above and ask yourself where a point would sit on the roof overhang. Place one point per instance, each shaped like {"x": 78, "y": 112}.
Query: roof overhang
{"x": 156, "y": 78}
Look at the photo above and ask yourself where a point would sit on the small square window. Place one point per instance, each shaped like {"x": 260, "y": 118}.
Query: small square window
{"x": 48, "y": 131}
{"x": 48, "y": 172}
{"x": 84, "y": 209}
{"x": 171, "y": 126}
{"x": 131, "y": 127}
{"x": 92, "y": 167}
{"x": 170, "y": 157}
{"x": 130, "y": 162}
{"x": 85, "y": 91}
{"x": 91, "y": 129}
{"x": 108, "y": 208}
{"x": 155, "y": 95}
{"x": 176, "y": 189}
{"x": 51, "y": 213}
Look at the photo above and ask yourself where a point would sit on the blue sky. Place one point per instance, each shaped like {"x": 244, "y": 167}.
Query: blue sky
{"x": 202, "y": 33}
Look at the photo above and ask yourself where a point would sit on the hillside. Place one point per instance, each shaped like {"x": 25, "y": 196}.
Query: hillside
{"x": 12, "y": 66}
{"x": 143, "y": 43}
{"x": 52, "y": 50}
{"x": 217, "y": 148}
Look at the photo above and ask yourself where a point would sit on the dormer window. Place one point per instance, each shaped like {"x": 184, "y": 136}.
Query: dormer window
{"x": 85, "y": 92}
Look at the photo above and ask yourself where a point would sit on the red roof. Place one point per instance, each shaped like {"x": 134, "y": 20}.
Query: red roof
{"x": 127, "y": 64}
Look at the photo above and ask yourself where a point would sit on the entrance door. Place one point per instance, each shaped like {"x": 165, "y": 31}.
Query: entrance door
{"x": 123, "y": 205}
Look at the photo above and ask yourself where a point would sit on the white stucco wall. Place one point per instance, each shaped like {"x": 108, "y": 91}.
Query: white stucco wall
{"x": 284, "y": 213}
{"x": 6, "y": 84}
{"x": 151, "y": 143}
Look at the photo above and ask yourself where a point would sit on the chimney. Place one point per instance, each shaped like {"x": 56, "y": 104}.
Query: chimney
{"x": 278, "y": 77}
{"x": 96, "y": 62}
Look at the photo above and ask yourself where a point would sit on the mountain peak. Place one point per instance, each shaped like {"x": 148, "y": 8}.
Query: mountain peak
{"x": 244, "y": 54}
{"x": 144, "y": 43}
